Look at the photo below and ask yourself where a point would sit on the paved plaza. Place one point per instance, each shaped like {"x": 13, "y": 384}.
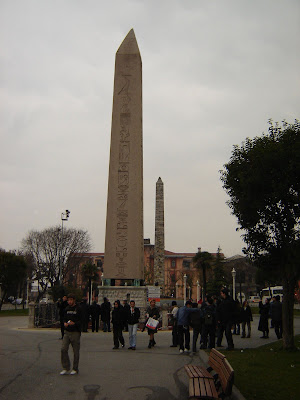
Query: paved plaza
{"x": 30, "y": 365}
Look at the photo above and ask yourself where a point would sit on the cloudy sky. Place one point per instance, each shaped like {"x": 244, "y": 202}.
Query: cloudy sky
{"x": 214, "y": 72}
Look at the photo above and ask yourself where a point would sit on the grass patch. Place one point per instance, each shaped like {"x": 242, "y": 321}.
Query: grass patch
{"x": 14, "y": 313}
{"x": 255, "y": 311}
{"x": 267, "y": 372}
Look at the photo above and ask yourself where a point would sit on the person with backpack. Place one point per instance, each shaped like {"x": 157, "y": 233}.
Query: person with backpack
{"x": 195, "y": 321}
{"x": 209, "y": 325}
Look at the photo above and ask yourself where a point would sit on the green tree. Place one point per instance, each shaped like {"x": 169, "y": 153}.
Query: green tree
{"x": 203, "y": 261}
{"x": 12, "y": 273}
{"x": 90, "y": 273}
{"x": 219, "y": 279}
{"x": 262, "y": 179}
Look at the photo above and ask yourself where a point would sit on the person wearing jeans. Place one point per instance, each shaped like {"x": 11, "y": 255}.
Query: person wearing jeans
{"x": 133, "y": 315}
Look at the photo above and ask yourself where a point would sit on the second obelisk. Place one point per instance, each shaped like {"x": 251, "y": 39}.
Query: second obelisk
{"x": 124, "y": 241}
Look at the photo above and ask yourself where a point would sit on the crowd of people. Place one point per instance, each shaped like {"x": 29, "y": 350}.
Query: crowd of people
{"x": 209, "y": 320}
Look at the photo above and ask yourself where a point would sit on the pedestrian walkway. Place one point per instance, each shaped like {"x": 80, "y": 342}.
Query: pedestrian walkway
{"x": 30, "y": 365}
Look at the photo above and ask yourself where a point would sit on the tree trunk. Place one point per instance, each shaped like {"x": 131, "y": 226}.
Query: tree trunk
{"x": 288, "y": 312}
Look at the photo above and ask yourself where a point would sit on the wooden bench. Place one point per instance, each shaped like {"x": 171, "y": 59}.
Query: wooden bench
{"x": 206, "y": 384}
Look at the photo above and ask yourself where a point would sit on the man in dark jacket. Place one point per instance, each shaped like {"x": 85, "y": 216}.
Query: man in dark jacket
{"x": 225, "y": 317}
{"x": 61, "y": 305}
{"x": 276, "y": 315}
{"x": 85, "y": 315}
{"x": 126, "y": 307}
{"x": 105, "y": 314}
{"x": 95, "y": 313}
{"x": 132, "y": 320}
{"x": 72, "y": 323}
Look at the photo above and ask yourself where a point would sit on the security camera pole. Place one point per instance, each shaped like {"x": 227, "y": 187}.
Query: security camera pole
{"x": 64, "y": 217}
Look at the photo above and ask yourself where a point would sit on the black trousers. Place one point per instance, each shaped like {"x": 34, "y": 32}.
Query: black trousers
{"x": 118, "y": 336}
{"x": 95, "y": 324}
{"x": 225, "y": 327}
{"x": 209, "y": 330}
{"x": 183, "y": 337}
{"x": 278, "y": 328}
{"x": 196, "y": 332}
{"x": 175, "y": 334}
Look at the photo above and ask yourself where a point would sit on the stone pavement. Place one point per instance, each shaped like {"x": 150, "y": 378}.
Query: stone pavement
{"x": 30, "y": 365}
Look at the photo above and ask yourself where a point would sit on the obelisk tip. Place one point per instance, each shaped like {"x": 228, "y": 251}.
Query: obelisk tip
{"x": 129, "y": 44}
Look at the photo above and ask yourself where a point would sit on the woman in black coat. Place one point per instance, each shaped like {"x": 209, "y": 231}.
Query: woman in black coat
{"x": 263, "y": 325}
{"x": 246, "y": 318}
{"x": 118, "y": 320}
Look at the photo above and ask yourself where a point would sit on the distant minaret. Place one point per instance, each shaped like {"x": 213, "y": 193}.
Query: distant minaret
{"x": 159, "y": 249}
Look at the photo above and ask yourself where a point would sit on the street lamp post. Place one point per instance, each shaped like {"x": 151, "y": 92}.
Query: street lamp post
{"x": 64, "y": 217}
{"x": 184, "y": 287}
{"x": 233, "y": 273}
{"x": 198, "y": 291}
{"x": 102, "y": 279}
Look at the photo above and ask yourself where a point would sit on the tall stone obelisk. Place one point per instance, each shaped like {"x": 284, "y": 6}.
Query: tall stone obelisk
{"x": 124, "y": 240}
{"x": 159, "y": 247}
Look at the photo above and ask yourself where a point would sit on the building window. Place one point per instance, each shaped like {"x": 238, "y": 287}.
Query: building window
{"x": 173, "y": 263}
{"x": 173, "y": 278}
{"x": 186, "y": 264}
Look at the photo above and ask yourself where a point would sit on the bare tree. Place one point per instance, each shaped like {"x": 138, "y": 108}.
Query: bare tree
{"x": 48, "y": 247}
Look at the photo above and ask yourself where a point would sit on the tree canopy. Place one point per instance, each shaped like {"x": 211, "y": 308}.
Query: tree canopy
{"x": 12, "y": 273}
{"x": 48, "y": 247}
{"x": 262, "y": 180}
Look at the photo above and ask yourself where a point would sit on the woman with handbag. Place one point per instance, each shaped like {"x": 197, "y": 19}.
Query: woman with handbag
{"x": 152, "y": 312}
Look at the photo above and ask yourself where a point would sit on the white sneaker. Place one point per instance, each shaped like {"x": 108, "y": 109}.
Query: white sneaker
{"x": 64, "y": 372}
{"x": 180, "y": 351}
{"x": 73, "y": 372}
{"x": 186, "y": 350}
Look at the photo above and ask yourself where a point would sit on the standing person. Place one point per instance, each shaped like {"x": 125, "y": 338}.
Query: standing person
{"x": 174, "y": 324}
{"x": 195, "y": 320}
{"x": 263, "y": 325}
{"x": 126, "y": 307}
{"x": 237, "y": 318}
{"x": 225, "y": 317}
{"x": 61, "y": 305}
{"x": 132, "y": 320}
{"x": 246, "y": 318}
{"x": 209, "y": 324}
{"x": 72, "y": 324}
{"x": 276, "y": 315}
{"x": 183, "y": 326}
{"x": 118, "y": 319}
{"x": 95, "y": 314}
{"x": 105, "y": 314}
{"x": 85, "y": 312}
{"x": 152, "y": 312}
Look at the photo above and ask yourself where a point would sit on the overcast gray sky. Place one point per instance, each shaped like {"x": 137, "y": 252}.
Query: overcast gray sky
{"x": 214, "y": 72}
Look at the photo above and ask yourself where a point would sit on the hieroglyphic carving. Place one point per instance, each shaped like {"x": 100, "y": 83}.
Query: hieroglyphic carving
{"x": 123, "y": 179}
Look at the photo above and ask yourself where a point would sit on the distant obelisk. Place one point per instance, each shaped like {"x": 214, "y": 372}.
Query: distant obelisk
{"x": 159, "y": 248}
{"x": 124, "y": 240}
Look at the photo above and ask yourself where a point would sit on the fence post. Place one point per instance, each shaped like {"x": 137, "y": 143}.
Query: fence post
{"x": 31, "y": 315}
